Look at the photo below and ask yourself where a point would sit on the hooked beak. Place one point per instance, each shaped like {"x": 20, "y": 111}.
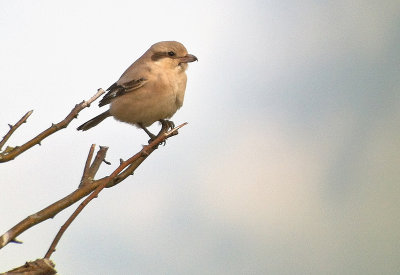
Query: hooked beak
{"x": 188, "y": 58}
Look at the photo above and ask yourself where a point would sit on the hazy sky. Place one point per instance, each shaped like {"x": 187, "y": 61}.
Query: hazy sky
{"x": 289, "y": 163}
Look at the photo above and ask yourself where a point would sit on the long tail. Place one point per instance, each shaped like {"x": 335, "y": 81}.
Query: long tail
{"x": 94, "y": 121}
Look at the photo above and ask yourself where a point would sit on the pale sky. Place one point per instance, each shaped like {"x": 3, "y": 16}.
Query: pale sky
{"x": 289, "y": 163}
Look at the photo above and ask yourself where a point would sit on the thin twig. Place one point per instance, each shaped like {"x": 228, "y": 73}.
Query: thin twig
{"x": 10, "y": 155}
{"x": 87, "y": 103}
{"x": 64, "y": 227}
{"x": 14, "y": 127}
{"x": 175, "y": 130}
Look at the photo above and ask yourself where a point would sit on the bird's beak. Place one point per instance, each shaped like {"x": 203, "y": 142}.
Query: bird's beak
{"x": 188, "y": 58}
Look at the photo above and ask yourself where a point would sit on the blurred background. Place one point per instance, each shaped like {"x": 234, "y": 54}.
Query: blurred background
{"x": 289, "y": 163}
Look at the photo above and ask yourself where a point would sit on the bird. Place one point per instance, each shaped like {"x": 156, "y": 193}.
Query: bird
{"x": 151, "y": 89}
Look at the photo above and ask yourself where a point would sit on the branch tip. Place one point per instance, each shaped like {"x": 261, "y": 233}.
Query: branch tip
{"x": 14, "y": 127}
{"x": 170, "y": 132}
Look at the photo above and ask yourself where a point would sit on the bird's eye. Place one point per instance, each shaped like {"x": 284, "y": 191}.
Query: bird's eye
{"x": 171, "y": 53}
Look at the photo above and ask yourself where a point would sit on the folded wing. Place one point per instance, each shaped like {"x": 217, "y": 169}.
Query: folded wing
{"x": 117, "y": 90}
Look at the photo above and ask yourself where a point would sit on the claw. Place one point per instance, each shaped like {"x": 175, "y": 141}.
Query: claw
{"x": 167, "y": 123}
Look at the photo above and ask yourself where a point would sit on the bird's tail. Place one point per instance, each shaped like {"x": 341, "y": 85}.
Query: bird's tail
{"x": 94, "y": 121}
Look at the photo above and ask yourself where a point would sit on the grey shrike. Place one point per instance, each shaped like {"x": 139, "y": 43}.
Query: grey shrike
{"x": 151, "y": 89}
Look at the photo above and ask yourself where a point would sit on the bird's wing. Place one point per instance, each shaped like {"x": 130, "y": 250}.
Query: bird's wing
{"x": 117, "y": 90}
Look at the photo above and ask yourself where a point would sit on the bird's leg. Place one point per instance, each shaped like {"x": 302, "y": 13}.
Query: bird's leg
{"x": 165, "y": 126}
{"x": 150, "y": 134}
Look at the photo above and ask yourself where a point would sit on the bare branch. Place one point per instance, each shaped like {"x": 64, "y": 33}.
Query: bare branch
{"x": 11, "y": 154}
{"x": 163, "y": 135}
{"x": 15, "y": 127}
{"x": 93, "y": 195}
{"x": 38, "y": 267}
{"x": 125, "y": 169}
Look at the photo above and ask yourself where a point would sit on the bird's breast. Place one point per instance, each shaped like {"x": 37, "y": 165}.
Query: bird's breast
{"x": 158, "y": 99}
{"x": 178, "y": 84}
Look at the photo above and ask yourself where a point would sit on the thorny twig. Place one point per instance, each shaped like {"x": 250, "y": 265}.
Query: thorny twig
{"x": 14, "y": 127}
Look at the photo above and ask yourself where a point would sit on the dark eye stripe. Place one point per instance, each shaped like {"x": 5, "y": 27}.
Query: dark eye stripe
{"x": 158, "y": 55}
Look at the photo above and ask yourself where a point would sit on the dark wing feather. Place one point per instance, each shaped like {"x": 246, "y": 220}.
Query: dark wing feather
{"x": 117, "y": 90}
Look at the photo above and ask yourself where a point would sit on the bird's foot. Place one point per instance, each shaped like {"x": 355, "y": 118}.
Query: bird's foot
{"x": 167, "y": 124}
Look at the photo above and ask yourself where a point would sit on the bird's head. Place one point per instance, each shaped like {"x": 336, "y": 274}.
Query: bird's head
{"x": 171, "y": 54}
